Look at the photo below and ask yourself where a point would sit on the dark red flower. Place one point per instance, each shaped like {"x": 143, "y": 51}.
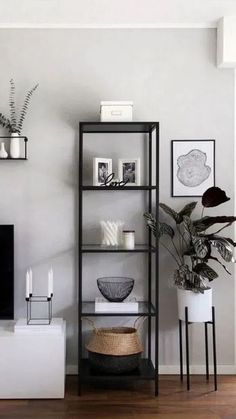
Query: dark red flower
{"x": 214, "y": 196}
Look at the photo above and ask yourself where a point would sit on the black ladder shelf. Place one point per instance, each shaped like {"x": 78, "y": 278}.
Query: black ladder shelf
{"x": 149, "y": 308}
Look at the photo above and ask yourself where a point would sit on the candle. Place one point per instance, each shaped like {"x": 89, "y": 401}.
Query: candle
{"x": 27, "y": 285}
{"x": 50, "y": 283}
{"x": 30, "y": 281}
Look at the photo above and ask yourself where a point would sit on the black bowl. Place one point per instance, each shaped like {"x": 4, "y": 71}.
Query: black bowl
{"x": 116, "y": 288}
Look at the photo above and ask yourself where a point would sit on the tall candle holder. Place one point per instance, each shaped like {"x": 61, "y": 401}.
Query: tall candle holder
{"x": 33, "y": 299}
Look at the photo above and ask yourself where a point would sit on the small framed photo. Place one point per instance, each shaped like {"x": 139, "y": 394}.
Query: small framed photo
{"x": 129, "y": 171}
{"x": 101, "y": 169}
{"x": 193, "y": 167}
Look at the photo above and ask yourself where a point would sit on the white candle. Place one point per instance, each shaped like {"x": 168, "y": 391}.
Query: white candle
{"x": 27, "y": 285}
{"x": 51, "y": 281}
{"x": 30, "y": 281}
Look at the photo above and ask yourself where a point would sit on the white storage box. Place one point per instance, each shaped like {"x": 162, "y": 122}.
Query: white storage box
{"x": 116, "y": 111}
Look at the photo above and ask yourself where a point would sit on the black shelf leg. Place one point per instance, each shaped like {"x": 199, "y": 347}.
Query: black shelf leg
{"x": 187, "y": 347}
{"x": 180, "y": 350}
{"x": 214, "y": 347}
{"x": 206, "y": 352}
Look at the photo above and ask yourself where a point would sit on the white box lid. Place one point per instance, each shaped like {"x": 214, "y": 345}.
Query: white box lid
{"x": 116, "y": 103}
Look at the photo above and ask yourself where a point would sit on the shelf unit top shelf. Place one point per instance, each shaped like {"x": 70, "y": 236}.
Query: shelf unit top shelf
{"x": 118, "y": 127}
{"x": 97, "y": 248}
{"x": 144, "y": 309}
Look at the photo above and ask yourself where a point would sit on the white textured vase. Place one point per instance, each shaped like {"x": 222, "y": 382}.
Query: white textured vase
{"x": 111, "y": 233}
{"x": 3, "y": 153}
{"x": 199, "y": 305}
{"x": 15, "y": 146}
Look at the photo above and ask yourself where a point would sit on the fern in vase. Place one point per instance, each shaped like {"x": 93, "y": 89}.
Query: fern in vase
{"x": 15, "y": 124}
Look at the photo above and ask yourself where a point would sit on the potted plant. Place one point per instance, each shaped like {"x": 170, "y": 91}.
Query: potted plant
{"x": 192, "y": 246}
{"x": 12, "y": 124}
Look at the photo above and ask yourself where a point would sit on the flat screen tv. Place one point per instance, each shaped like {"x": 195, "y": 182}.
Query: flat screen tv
{"x": 6, "y": 272}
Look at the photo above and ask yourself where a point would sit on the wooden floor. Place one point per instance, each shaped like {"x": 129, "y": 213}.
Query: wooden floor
{"x": 133, "y": 401}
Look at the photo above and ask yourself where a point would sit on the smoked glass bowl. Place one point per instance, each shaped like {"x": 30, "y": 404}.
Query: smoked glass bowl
{"x": 115, "y": 288}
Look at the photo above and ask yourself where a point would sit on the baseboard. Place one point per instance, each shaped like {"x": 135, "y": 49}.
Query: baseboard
{"x": 174, "y": 369}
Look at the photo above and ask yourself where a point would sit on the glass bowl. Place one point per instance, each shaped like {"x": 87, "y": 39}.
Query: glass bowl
{"x": 115, "y": 288}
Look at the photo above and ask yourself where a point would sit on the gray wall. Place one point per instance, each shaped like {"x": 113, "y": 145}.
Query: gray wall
{"x": 171, "y": 76}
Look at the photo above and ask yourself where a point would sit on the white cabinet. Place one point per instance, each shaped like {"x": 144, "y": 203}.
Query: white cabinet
{"x": 32, "y": 361}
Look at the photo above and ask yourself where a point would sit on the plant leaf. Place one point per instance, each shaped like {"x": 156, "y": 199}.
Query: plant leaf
{"x": 172, "y": 213}
{"x": 224, "y": 249}
{"x": 187, "y": 210}
{"x": 163, "y": 228}
{"x": 223, "y": 266}
{"x": 25, "y": 107}
{"x": 205, "y": 270}
{"x": 204, "y": 223}
{"x": 213, "y": 197}
{"x": 179, "y": 216}
{"x": 202, "y": 247}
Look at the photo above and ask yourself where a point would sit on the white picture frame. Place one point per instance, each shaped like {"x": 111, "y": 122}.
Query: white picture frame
{"x": 132, "y": 168}
{"x": 102, "y": 167}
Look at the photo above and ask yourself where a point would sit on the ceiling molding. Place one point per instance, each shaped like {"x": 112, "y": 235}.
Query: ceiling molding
{"x": 184, "y": 25}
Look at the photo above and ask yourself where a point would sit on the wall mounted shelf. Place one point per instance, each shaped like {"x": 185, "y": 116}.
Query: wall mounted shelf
{"x": 23, "y": 139}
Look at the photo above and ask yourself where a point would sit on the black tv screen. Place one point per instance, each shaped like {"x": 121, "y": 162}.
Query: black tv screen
{"x": 6, "y": 272}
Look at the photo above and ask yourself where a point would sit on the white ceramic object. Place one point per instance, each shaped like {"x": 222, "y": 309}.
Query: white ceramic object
{"x": 129, "y": 239}
{"x": 116, "y": 111}
{"x": 199, "y": 305}
{"x": 3, "y": 153}
{"x": 111, "y": 233}
{"x": 15, "y": 146}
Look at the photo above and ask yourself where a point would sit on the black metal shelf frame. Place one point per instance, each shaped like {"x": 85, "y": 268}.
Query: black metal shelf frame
{"x": 22, "y": 137}
{"x": 150, "y": 307}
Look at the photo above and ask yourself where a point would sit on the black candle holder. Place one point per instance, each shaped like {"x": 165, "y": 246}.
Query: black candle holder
{"x": 33, "y": 299}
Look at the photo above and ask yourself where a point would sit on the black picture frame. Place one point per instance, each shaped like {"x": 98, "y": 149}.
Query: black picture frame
{"x": 187, "y": 149}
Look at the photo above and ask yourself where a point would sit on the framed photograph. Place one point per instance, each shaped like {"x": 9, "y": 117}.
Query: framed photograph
{"x": 101, "y": 169}
{"x": 193, "y": 167}
{"x": 129, "y": 171}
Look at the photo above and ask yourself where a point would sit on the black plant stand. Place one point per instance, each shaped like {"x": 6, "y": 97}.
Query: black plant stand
{"x": 187, "y": 323}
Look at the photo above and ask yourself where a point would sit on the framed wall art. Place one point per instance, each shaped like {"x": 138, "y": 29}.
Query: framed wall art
{"x": 129, "y": 171}
{"x": 102, "y": 167}
{"x": 193, "y": 167}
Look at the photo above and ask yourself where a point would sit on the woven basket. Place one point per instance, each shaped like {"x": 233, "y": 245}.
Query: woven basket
{"x": 118, "y": 341}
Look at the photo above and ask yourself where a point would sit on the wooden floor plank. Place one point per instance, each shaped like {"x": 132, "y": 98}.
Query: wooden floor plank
{"x": 133, "y": 401}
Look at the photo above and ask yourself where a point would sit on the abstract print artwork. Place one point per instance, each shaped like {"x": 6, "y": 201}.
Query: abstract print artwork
{"x": 193, "y": 166}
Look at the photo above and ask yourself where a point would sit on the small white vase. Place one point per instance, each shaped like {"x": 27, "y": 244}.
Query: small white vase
{"x": 199, "y": 305}
{"x": 15, "y": 146}
{"x": 3, "y": 153}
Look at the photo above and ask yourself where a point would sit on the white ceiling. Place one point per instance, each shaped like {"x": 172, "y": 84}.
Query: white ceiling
{"x": 156, "y": 13}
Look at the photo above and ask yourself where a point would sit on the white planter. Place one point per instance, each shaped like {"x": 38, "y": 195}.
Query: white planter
{"x": 3, "y": 153}
{"x": 15, "y": 146}
{"x": 199, "y": 305}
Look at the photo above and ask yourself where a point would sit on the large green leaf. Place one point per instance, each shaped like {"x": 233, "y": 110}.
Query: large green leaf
{"x": 186, "y": 211}
{"x": 202, "y": 247}
{"x": 206, "y": 271}
{"x": 217, "y": 260}
{"x": 204, "y": 223}
{"x": 179, "y": 216}
{"x": 162, "y": 229}
{"x": 224, "y": 249}
{"x": 172, "y": 213}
